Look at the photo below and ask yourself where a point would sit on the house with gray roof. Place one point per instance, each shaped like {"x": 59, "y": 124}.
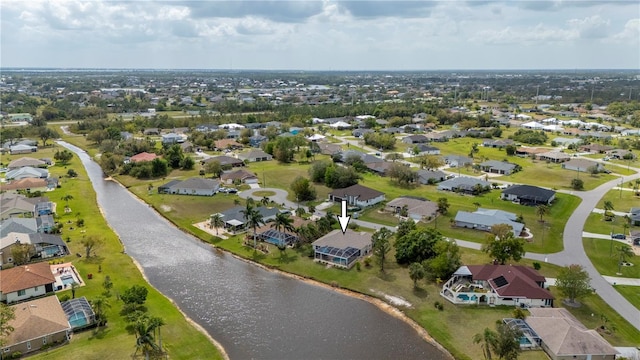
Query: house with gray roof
{"x": 254, "y": 156}
{"x": 415, "y": 139}
{"x": 19, "y": 225}
{"x": 634, "y": 214}
{"x": 225, "y": 161}
{"x": 425, "y": 149}
{"x": 483, "y": 219}
{"x": 357, "y": 195}
{"x": 27, "y": 172}
{"x": 26, "y": 161}
{"x": 465, "y": 184}
{"x": 44, "y": 246}
{"x": 528, "y": 195}
{"x": 22, "y": 149}
{"x": 431, "y": 176}
{"x": 235, "y": 221}
{"x": 457, "y": 160}
{"x": 172, "y": 138}
{"x": 417, "y": 208}
{"x": 342, "y": 250}
{"x": 193, "y": 186}
{"x": 498, "y": 167}
{"x": 582, "y": 165}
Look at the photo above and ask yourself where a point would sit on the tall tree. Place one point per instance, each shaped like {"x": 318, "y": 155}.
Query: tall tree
{"x": 253, "y": 219}
{"x": 46, "y": 133}
{"x": 7, "y": 314}
{"x": 443, "y": 206}
{"x": 381, "y": 245}
{"x": 216, "y": 221}
{"x": 99, "y": 306}
{"x": 283, "y": 222}
{"x": 416, "y": 272}
{"x": 487, "y": 340}
{"x": 504, "y": 249}
{"x": 542, "y": 210}
{"x": 624, "y": 252}
{"x": 507, "y": 344}
{"x": 574, "y": 282}
{"x": 91, "y": 243}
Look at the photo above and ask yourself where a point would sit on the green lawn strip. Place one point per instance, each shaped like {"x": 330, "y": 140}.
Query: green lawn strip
{"x": 631, "y": 293}
{"x": 180, "y": 339}
{"x": 376, "y": 215}
{"x": 596, "y": 224}
{"x": 261, "y": 193}
{"x": 554, "y": 176}
{"x": 598, "y": 251}
{"x": 622, "y": 200}
{"x": 593, "y": 307}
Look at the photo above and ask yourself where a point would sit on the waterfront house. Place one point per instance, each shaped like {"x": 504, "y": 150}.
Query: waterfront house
{"x": 563, "y": 337}
{"x": 37, "y": 323}
{"x": 342, "y": 250}
{"x": 492, "y": 285}
{"x": 484, "y": 219}
{"x": 26, "y": 281}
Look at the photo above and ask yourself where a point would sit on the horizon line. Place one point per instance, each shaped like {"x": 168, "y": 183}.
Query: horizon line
{"x": 18, "y": 68}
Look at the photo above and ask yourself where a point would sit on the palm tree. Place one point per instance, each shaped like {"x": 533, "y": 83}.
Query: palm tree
{"x": 66, "y": 198}
{"x": 608, "y": 206}
{"x": 216, "y": 222}
{"x": 253, "y": 219}
{"x": 157, "y": 323}
{"x": 283, "y": 222}
{"x": 144, "y": 329}
{"x": 99, "y": 304}
{"x": 542, "y": 210}
{"x": 265, "y": 200}
{"x": 624, "y": 252}
{"x": 487, "y": 340}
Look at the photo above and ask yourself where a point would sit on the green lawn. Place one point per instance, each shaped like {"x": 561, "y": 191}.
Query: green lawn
{"x": 631, "y": 293}
{"x": 622, "y": 200}
{"x": 181, "y": 340}
{"x": 599, "y": 250}
{"x": 596, "y": 224}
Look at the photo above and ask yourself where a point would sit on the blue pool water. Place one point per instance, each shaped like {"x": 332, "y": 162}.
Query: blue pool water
{"x": 67, "y": 279}
{"x": 524, "y": 341}
{"x": 464, "y": 297}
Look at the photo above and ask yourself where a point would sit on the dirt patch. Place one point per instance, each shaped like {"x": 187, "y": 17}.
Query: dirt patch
{"x": 165, "y": 208}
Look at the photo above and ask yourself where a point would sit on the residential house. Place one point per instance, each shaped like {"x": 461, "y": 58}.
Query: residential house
{"x": 26, "y": 161}
{"x": 415, "y": 139}
{"x": 484, "y": 219}
{"x": 45, "y": 223}
{"x": 281, "y": 237}
{"x": 380, "y": 167}
{"x": 423, "y": 149}
{"x": 193, "y": 186}
{"x": 329, "y": 148}
{"x": 391, "y": 130}
{"x": 525, "y": 151}
{"x": 257, "y": 140}
{"x": 634, "y": 215}
{"x": 21, "y": 117}
{"x": 342, "y": 250}
{"x": 582, "y": 165}
{"x": 635, "y": 237}
{"x": 497, "y": 143}
{"x": 172, "y": 138}
{"x": 22, "y": 149}
{"x": 620, "y": 154}
{"x": 151, "y": 131}
{"x": 20, "y": 225}
{"x": 431, "y": 176}
{"x": 27, "y": 172}
{"x": 340, "y": 125}
{"x": 465, "y": 184}
{"x": 511, "y": 285}
{"x": 457, "y": 160}
{"x": 227, "y": 144}
{"x": 528, "y": 195}
{"x": 37, "y": 323}
{"x": 254, "y": 156}
{"x": 28, "y": 184}
{"x": 565, "y": 338}
{"x": 357, "y": 195}
{"x": 125, "y": 135}
{"x": 23, "y": 282}
{"x": 499, "y": 167}
{"x": 417, "y": 208}
{"x": 235, "y": 221}
{"x": 554, "y": 156}
{"x": 186, "y": 146}
{"x": 225, "y": 161}
{"x": 44, "y": 246}
{"x": 596, "y": 148}
{"x": 143, "y": 156}
{"x": 566, "y": 141}
{"x": 16, "y": 205}
{"x": 360, "y": 133}
{"x": 241, "y": 175}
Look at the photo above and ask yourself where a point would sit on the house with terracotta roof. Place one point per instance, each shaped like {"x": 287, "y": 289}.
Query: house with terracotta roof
{"x": 37, "y": 323}
{"x": 225, "y": 144}
{"x": 563, "y": 337}
{"x": 497, "y": 285}
{"x": 29, "y": 184}
{"x": 143, "y": 156}
{"x": 27, "y": 281}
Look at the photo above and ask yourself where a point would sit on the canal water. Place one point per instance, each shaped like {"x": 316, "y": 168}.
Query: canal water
{"x": 253, "y": 313}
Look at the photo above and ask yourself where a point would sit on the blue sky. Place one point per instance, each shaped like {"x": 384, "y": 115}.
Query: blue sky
{"x": 321, "y": 35}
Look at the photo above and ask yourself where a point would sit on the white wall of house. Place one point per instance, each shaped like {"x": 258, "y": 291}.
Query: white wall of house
{"x": 370, "y": 202}
{"x": 28, "y": 293}
{"x": 201, "y": 192}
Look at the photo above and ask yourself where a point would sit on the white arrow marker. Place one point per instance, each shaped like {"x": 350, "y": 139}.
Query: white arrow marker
{"x": 344, "y": 218}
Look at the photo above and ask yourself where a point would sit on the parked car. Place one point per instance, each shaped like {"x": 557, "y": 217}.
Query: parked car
{"x": 619, "y": 236}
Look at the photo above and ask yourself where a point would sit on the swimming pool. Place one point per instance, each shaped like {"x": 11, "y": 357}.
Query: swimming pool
{"x": 67, "y": 279}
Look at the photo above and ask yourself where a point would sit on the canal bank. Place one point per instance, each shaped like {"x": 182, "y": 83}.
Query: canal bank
{"x": 252, "y": 312}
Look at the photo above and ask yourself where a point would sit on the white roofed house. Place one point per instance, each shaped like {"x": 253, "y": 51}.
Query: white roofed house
{"x": 172, "y": 138}
{"x": 192, "y": 186}
{"x": 254, "y": 156}
{"x": 340, "y": 125}
{"x": 27, "y": 172}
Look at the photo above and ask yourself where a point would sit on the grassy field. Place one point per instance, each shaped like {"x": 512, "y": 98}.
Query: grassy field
{"x": 181, "y": 340}
{"x": 631, "y": 293}
{"x": 604, "y": 256}
{"x": 596, "y": 224}
{"x": 621, "y": 200}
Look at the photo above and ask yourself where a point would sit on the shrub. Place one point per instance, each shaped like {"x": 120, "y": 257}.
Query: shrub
{"x": 367, "y": 262}
{"x": 16, "y": 355}
{"x": 72, "y": 173}
{"x": 358, "y": 265}
{"x": 536, "y": 265}
{"x": 438, "y": 305}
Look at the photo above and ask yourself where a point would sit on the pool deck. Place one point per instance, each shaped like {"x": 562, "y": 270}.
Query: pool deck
{"x": 66, "y": 269}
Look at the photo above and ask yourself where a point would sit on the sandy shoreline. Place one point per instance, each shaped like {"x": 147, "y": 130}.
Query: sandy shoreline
{"x": 382, "y": 305}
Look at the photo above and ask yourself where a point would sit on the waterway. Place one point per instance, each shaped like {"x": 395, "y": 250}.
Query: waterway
{"x": 252, "y": 312}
